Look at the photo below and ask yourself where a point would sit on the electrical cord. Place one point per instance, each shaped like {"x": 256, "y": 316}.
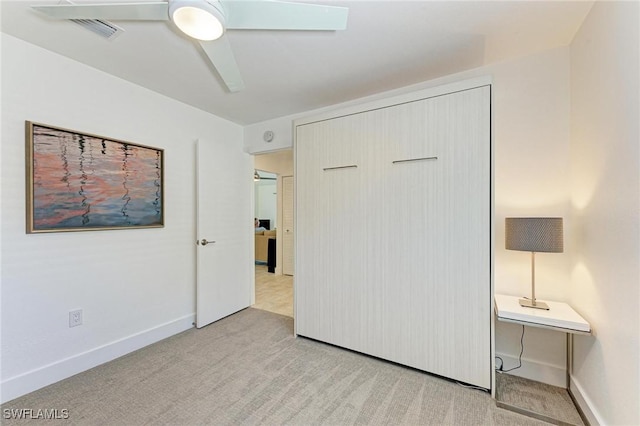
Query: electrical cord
{"x": 500, "y": 370}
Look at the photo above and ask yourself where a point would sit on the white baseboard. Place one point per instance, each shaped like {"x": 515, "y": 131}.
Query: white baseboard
{"x": 30, "y": 381}
{"x": 585, "y": 404}
{"x": 534, "y": 370}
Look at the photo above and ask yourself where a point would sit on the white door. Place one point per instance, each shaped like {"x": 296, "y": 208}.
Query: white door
{"x": 287, "y": 224}
{"x": 224, "y": 244}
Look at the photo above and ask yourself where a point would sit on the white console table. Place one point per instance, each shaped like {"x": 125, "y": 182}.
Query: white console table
{"x": 560, "y": 317}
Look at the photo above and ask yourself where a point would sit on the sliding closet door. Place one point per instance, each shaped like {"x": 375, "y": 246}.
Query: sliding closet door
{"x": 393, "y": 243}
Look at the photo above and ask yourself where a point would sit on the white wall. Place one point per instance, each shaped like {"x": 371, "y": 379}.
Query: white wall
{"x": 605, "y": 165}
{"x": 280, "y": 162}
{"x": 531, "y": 112}
{"x": 282, "y": 139}
{"x": 531, "y": 129}
{"x": 135, "y": 286}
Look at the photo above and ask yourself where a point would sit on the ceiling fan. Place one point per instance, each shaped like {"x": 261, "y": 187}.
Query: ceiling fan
{"x": 207, "y": 21}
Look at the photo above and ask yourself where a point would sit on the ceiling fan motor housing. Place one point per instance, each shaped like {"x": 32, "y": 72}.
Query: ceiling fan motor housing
{"x": 199, "y": 19}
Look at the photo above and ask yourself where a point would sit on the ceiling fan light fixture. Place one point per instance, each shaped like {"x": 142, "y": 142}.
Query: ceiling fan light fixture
{"x": 199, "y": 19}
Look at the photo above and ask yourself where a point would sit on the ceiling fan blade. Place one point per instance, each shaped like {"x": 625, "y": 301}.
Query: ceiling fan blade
{"x": 279, "y": 15}
{"x": 221, "y": 56}
{"x": 156, "y": 11}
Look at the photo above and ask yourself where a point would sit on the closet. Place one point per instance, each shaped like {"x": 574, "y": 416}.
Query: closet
{"x": 393, "y": 208}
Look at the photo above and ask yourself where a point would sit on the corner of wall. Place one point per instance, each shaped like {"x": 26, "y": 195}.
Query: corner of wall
{"x": 584, "y": 404}
{"x": 605, "y": 196}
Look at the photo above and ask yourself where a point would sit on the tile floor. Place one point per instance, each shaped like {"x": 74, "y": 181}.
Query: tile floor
{"x": 274, "y": 293}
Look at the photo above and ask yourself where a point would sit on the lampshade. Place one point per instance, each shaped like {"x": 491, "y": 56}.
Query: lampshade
{"x": 535, "y": 234}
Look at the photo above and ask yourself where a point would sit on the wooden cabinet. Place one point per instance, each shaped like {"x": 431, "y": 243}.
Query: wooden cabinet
{"x": 393, "y": 233}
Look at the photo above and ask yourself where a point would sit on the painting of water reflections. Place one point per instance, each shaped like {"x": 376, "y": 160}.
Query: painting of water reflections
{"x": 82, "y": 182}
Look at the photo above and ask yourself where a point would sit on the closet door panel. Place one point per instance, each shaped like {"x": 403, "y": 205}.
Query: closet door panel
{"x": 410, "y": 172}
{"x": 440, "y": 254}
{"x": 393, "y": 255}
{"x": 331, "y": 239}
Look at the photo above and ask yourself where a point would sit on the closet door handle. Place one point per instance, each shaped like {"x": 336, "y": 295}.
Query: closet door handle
{"x": 414, "y": 159}
{"x": 352, "y": 166}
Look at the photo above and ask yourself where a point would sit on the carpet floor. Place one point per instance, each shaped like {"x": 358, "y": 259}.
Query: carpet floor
{"x": 249, "y": 369}
{"x": 541, "y": 398}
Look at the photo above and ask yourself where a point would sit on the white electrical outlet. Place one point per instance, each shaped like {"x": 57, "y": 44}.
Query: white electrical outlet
{"x": 75, "y": 318}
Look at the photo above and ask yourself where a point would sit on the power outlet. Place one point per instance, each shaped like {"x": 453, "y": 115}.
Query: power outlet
{"x": 75, "y": 318}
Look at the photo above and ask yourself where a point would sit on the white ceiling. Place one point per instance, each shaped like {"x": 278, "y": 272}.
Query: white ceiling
{"x": 387, "y": 44}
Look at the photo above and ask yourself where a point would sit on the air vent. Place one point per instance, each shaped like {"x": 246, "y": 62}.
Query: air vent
{"x": 103, "y": 28}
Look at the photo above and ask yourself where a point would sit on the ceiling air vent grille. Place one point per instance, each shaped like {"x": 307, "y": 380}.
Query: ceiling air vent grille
{"x": 102, "y": 28}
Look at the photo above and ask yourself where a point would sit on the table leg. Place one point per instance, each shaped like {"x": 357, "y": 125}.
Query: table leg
{"x": 569, "y": 367}
{"x": 568, "y": 363}
{"x": 540, "y": 416}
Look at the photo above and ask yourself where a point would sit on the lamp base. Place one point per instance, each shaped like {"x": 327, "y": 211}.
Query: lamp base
{"x": 528, "y": 303}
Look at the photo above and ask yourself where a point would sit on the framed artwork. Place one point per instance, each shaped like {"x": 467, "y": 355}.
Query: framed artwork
{"x": 82, "y": 182}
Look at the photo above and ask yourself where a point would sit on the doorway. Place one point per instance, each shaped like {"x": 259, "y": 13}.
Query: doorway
{"x": 274, "y": 277}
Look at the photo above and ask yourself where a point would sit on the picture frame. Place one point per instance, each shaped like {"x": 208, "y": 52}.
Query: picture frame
{"x": 78, "y": 181}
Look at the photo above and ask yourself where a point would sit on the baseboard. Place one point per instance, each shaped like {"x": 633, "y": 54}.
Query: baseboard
{"x": 30, "y": 381}
{"x": 584, "y": 403}
{"x": 533, "y": 370}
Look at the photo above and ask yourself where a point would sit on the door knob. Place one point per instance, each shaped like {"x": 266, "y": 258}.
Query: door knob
{"x": 204, "y": 242}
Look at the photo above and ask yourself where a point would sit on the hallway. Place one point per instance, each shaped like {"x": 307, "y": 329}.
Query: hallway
{"x": 274, "y": 293}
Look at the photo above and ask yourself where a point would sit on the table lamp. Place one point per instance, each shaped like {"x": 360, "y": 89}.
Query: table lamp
{"x": 534, "y": 234}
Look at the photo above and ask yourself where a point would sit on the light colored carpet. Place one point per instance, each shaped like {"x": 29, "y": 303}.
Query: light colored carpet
{"x": 249, "y": 369}
{"x": 541, "y": 398}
